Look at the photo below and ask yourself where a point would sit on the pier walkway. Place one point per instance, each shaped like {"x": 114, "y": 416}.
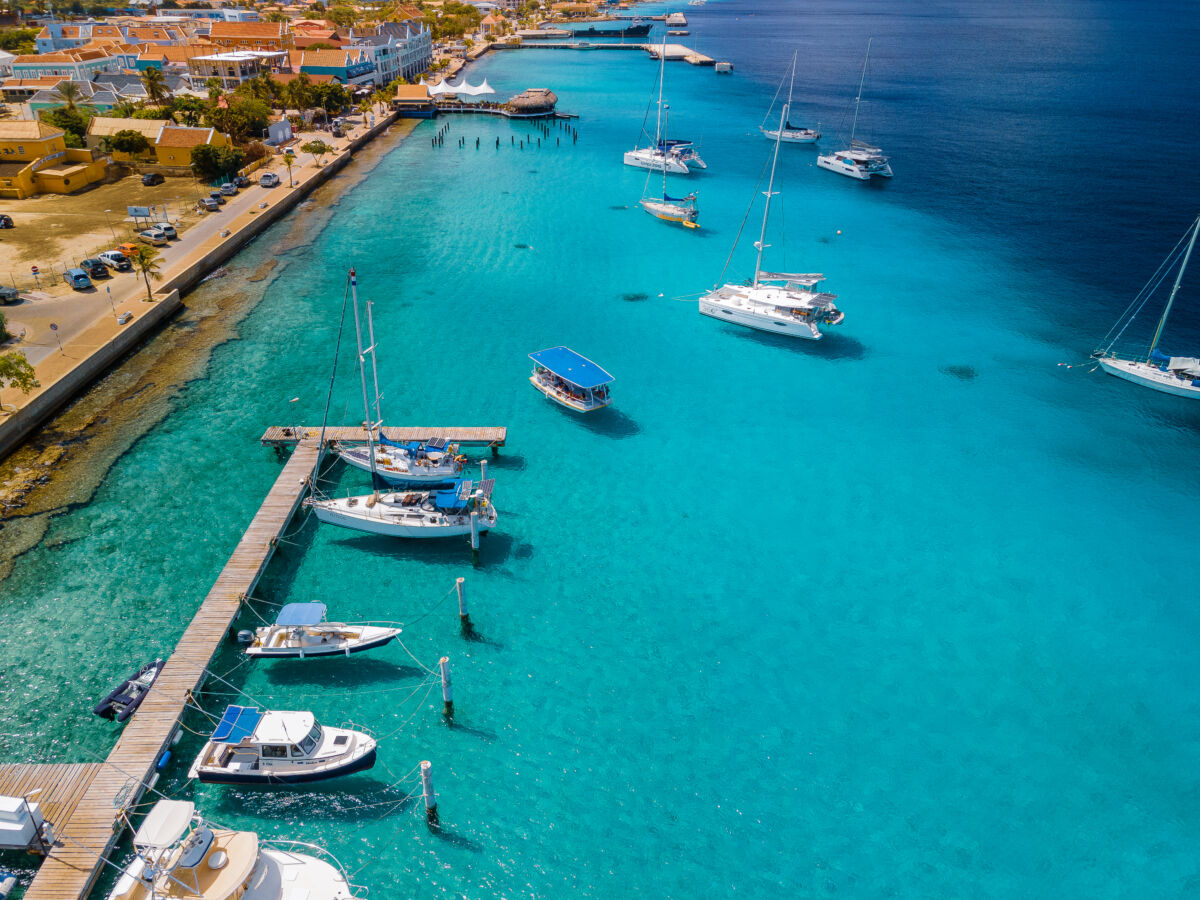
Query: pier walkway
{"x": 83, "y": 802}
{"x": 492, "y": 436}
{"x": 672, "y": 51}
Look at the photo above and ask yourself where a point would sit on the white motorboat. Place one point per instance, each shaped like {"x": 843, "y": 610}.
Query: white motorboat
{"x": 569, "y": 379}
{"x": 1178, "y": 375}
{"x": 780, "y": 302}
{"x": 861, "y": 160}
{"x": 459, "y": 510}
{"x": 787, "y": 132}
{"x": 177, "y": 854}
{"x": 253, "y": 747}
{"x": 656, "y": 159}
{"x": 301, "y": 632}
{"x": 676, "y": 157}
{"x": 406, "y": 462}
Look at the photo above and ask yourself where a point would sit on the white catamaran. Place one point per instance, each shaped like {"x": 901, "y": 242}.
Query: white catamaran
{"x": 861, "y": 160}
{"x": 781, "y": 302}
{"x": 675, "y": 156}
{"x": 1178, "y": 375}
{"x": 789, "y": 133}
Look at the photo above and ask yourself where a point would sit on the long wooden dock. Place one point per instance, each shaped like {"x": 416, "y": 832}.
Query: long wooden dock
{"x": 83, "y": 802}
{"x": 492, "y": 436}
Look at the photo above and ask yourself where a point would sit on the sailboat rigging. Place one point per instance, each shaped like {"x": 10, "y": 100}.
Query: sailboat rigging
{"x": 861, "y": 160}
{"x": 789, "y": 133}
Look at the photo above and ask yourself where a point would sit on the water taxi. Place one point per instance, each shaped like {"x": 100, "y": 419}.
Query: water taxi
{"x": 570, "y": 379}
{"x": 301, "y": 632}
{"x": 253, "y": 747}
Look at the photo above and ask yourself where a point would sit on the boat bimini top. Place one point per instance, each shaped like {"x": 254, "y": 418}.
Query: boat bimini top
{"x": 571, "y": 367}
{"x": 298, "y": 615}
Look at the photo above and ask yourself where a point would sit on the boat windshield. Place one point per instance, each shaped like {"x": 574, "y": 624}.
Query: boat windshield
{"x": 311, "y": 739}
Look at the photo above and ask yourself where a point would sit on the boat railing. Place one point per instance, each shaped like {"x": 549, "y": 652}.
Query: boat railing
{"x": 351, "y": 725}
{"x": 359, "y": 891}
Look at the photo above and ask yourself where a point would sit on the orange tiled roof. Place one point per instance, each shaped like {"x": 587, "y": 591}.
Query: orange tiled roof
{"x": 333, "y": 58}
{"x": 247, "y": 30}
{"x": 43, "y": 83}
{"x": 180, "y": 136}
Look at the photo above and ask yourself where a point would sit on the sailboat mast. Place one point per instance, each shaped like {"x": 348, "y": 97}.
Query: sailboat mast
{"x": 362, "y": 371}
{"x": 858, "y": 98}
{"x": 792, "y": 83}
{"x": 374, "y": 364}
{"x": 1178, "y": 281}
{"x": 662, "y": 70}
{"x": 762, "y": 235}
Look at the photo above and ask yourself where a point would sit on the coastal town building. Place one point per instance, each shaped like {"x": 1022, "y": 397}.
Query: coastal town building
{"x": 234, "y": 66}
{"x": 98, "y": 97}
{"x": 35, "y": 159}
{"x": 221, "y": 15}
{"x": 349, "y": 66}
{"x": 414, "y": 42}
{"x": 250, "y": 35}
{"x": 69, "y": 35}
{"x": 77, "y": 65}
{"x": 101, "y": 128}
{"x": 19, "y": 90}
{"x": 173, "y": 146}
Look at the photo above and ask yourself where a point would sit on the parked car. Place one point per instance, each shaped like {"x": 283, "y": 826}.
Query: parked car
{"x": 128, "y": 249}
{"x": 115, "y": 259}
{"x": 218, "y": 196}
{"x": 337, "y": 131}
{"x": 9, "y": 296}
{"x": 242, "y": 181}
{"x": 269, "y": 179}
{"x": 211, "y": 204}
{"x": 152, "y": 236}
{"x": 152, "y": 179}
{"x": 168, "y": 230}
{"x": 229, "y": 189}
{"x": 78, "y": 279}
{"x": 94, "y": 267}
{"x": 6, "y": 221}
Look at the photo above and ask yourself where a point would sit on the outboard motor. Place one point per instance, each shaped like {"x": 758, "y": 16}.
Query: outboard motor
{"x": 245, "y": 637}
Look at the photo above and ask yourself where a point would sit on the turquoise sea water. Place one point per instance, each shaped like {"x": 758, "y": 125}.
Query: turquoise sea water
{"x": 909, "y": 612}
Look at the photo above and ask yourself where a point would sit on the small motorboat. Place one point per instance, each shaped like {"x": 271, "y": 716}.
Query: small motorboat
{"x": 253, "y": 747}
{"x": 301, "y": 632}
{"x": 570, "y": 379}
{"x": 124, "y": 700}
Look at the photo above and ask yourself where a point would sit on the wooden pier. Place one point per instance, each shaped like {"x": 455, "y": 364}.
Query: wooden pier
{"x": 84, "y": 802}
{"x": 672, "y": 51}
{"x": 492, "y": 436}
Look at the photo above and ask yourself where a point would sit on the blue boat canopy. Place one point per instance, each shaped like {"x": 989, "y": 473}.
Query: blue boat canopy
{"x": 570, "y": 366}
{"x": 454, "y": 498}
{"x": 301, "y": 614}
{"x": 237, "y": 724}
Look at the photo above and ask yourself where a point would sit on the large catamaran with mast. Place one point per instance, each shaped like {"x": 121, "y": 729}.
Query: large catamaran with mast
{"x": 675, "y": 156}
{"x": 1178, "y": 375}
{"x": 781, "y": 302}
{"x": 861, "y": 160}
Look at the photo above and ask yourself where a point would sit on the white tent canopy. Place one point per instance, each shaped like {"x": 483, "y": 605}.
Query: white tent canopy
{"x": 464, "y": 88}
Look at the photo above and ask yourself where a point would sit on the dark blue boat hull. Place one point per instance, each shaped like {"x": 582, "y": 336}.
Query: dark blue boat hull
{"x": 262, "y": 778}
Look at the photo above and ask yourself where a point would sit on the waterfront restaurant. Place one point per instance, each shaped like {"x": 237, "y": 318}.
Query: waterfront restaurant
{"x": 234, "y": 66}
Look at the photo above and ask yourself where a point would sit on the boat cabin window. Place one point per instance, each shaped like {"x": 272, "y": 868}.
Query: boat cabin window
{"x": 311, "y": 740}
{"x": 274, "y": 751}
{"x": 296, "y": 751}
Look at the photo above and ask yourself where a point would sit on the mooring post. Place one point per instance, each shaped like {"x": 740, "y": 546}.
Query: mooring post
{"x": 482, "y": 470}
{"x": 475, "y": 535}
{"x": 464, "y": 618}
{"x": 431, "y": 813}
{"x": 447, "y": 695}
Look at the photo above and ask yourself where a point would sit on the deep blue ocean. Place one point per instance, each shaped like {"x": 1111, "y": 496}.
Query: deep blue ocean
{"x": 909, "y": 612}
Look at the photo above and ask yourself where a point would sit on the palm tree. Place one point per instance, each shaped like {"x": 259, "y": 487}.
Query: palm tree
{"x": 67, "y": 92}
{"x": 145, "y": 260}
{"x": 155, "y": 84}
{"x": 123, "y": 109}
{"x": 298, "y": 93}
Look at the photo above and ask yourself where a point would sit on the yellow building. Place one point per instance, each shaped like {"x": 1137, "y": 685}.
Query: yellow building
{"x": 175, "y": 142}
{"x": 35, "y": 159}
{"x": 101, "y": 127}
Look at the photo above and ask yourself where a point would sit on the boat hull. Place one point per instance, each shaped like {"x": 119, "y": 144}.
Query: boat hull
{"x": 334, "y": 512}
{"x": 568, "y": 402}
{"x": 212, "y": 776}
{"x": 670, "y": 212}
{"x": 761, "y": 321}
{"x": 655, "y": 162}
{"x": 311, "y": 652}
{"x": 793, "y": 135}
{"x": 439, "y": 474}
{"x": 1151, "y": 377}
{"x": 834, "y": 164}
{"x": 631, "y": 31}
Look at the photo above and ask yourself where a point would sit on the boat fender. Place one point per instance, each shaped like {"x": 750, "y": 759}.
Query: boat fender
{"x": 8, "y": 881}
{"x": 163, "y": 760}
{"x": 245, "y": 636}
{"x": 177, "y": 737}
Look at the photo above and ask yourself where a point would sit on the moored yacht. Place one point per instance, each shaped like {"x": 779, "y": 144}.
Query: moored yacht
{"x": 787, "y": 132}
{"x": 860, "y": 160}
{"x": 673, "y": 157}
{"x": 177, "y": 854}
{"x": 405, "y": 462}
{"x": 301, "y": 632}
{"x": 460, "y": 509}
{"x": 283, "y": 747}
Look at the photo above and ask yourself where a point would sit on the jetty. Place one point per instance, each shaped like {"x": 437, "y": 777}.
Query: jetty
{"x": 87, "y": 803}
{"x": 671, "y": 51}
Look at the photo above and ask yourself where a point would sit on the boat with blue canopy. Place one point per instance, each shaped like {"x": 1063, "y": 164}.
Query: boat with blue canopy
{"x": 570, "y": 379}
{"x": 432, "y": 461}
{"x": 249, "y": 746}
{"x": 301, "y": 632}
{"x": 461, "y": 508}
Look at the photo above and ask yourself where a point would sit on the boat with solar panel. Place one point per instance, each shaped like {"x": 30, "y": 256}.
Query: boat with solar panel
{"x": 462, "y": 508}
{"x": 433, "y": 461}
{"x": 250, "y": 746}
{"x": 178, "y": 854}
{"x": 301, "y": 632}
{"x": 574, "y": 381}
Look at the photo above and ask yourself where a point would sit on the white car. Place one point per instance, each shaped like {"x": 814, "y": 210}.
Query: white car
{"x": 155, "y": 236}
{"x": 269, "y": 179}
{"x": 115, "y": 259}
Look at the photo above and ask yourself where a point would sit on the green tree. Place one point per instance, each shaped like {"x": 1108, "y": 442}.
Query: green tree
{"x": 188, "y": 110}
{"x": 298, "y": 93}
{"x": 129, "y": 141}
{"x": 19, "y": 40}
{"x": 331, "y": 97}
{"x": 4, "y": 334}
{"x": 156, "y": 86}
{"x": 73, "y": 122}
{"x": 154, "y": 112}
{"x": 240, "y": 118}
{"x": 211, "y": 163}
{"x": 123, "y": 109}
{"x": 214, "y": 87}
{"x": 318, "y": 149}
{"x": 17, "y": 372}
{"x": 342, "y": 15}
{"x": 67, "y": 92}
{"x": 145, "y": 260}
{"x": 275, "y": 16}
{"x": 289, "y": 160}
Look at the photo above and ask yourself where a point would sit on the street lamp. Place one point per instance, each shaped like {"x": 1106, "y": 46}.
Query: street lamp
{"x": 110, "y": 227}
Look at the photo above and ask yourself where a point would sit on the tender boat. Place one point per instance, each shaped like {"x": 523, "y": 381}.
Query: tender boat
{"x": 787, "y": 132}
{"x": 570, "y": 379}
{"x": 406, "y": 462}
{"x": 179, "y": 855}
{"x": 461, "y": 509}
{"x": 123, "y": 701}
{"x": 301, "y": 632}
{"x": 861, "y": 160}
{"x": 253, "y": 747}
{"x": 780, "y": 302}
{"x": 1178, "y": 375}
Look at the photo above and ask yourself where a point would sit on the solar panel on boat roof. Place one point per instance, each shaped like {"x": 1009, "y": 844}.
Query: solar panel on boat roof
{"x": 436, "y": 443}
{"x": 486, "y": 486}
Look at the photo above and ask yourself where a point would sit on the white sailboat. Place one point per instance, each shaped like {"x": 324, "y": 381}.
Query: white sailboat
{"x": 780, "y": 302}
{"x": 674, "y": 156}
{"x": 1178, "y": 375}
{"x": 789, "y": 133}
{"x": 455, "y": 511}
{"x": 861, "y": 160}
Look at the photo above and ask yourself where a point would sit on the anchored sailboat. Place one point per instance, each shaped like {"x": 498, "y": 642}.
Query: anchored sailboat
{"x": 861, "y": 160}
{"x": 1178, "y": 375}
{"x": 674, "y": 156}
{"x": 782, "y": 302}
{"x": 789, "y": 133}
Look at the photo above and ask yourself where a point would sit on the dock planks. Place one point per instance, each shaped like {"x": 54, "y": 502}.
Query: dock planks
{"x": 487, "y": 435}
{"x": 82, "y": 800}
